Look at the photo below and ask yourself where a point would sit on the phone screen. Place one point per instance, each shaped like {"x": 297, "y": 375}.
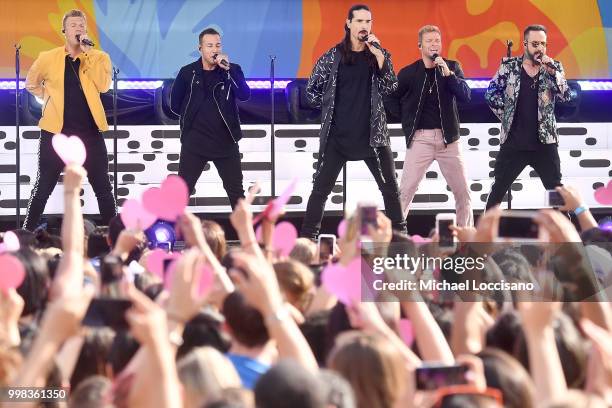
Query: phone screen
{"x": 434, "y": 377}
{"x": 518, "y": 227}
{"x": 368, "y": 217}
{"x": 555, "y": 199}
{"x": 326, "y": 248}
{"x": 445, "y": 234}
{"x": 107, "y": 312}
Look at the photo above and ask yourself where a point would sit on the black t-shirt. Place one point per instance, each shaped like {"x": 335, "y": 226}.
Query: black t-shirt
{"x": 78, "y": 119}
{"x": 350, "y": 129}
{"x": 524, "y": 131}
{"x": 430, "y": 112}
{"x": 209, "y": 136}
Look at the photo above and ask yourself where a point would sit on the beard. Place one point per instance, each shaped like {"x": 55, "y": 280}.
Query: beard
{"x": 533, "y": 56}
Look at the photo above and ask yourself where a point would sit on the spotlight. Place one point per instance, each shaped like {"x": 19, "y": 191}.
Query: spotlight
{"x": 606, "y": 224}
{"x": 161, "y": 235}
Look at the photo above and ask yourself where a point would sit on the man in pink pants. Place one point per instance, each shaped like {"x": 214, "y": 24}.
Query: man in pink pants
{"x": 426, "y": 101}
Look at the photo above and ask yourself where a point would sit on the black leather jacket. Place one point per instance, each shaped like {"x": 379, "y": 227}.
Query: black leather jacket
{"x": 407, "y": 101}
{"x": 187, "y": 95}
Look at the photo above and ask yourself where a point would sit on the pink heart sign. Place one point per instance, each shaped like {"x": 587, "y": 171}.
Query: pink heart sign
{"x": 12, "y": 272}
{"x": 275, "y": 206}
{"x": 343, "y": 282}
{"x": 70, "y": 149}
{"x": 283, "y": 237}
{"x": 11, "y": 242}
{"x": 135, "y": 216}
{"x": 162, "y": 264}
{"x": 168, "y": 201}
{"x": 603, "y": 195}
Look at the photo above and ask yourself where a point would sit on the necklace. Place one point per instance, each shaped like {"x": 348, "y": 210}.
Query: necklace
{"x": 535, "y": 80}
{"x": 432, "y": 83}
{"x": 75, "y": 74}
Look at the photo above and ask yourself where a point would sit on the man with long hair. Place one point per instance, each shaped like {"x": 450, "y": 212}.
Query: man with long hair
{"x": 348, "y": 83}
{"x": 69, "y": 79}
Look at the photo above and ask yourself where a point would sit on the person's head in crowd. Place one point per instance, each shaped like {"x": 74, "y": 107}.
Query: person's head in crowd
{"x": 505, "y": 332}
{"x": 314, "y": 330}
{"x": 35, "y": 287}
{"x": 337, "y": 323}
{"x": 296, "y": 282}
{"x": 571, "y": 348}
{"x": 97, "y": 243}
{"x": 204, "y": 329}
{"x": 337, "y": 390}
{"x": 123, "y": 348}
{"x": 215, "y": 238}
{"x": 288, "y": 384}
{"x": 514, "y": 266}
{"x": 92, "y": 392}
{"x": 94, "y": 354}
{"x": 10, "y": 362}
{"x": 244, "y": 322}
{"x": 233, "y": 398}
{"x": 468, "y": 401}
{"x": 26, "y": 238}
{"x": 204, "y": 372}
{"x": 504, "y": 372}
{"x": 45, "y": 240}
{"x": 304, "y": 251}
{"x": 372, "y": 366}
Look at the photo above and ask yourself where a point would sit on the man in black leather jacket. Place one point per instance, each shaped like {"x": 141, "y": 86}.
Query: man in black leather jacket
{"x": 426, "y": 101}
{"x": 204, "y": 96}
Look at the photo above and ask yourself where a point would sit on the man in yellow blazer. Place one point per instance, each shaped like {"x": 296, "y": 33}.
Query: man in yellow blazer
{"x": 69, "y": 80}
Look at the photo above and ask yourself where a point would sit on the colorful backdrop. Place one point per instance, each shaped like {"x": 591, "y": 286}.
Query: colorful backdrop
{"x": 153, "y": 38}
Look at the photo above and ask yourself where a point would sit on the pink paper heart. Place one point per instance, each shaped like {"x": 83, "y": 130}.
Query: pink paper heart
{"x": 342, "y": 228}
{"x": 12, "y": 272}
{"x": 70, "y": 149}
{"x": 603, "y": 195}
{"x": 343, "y": 282}
{"x": 134, "y": 215}
{"x": 283, "y": 237}
{"x": 168, "y": 201}
{"x": 406, "y": 331}
{"x": 155, "y": 264}
{"x": 11, "y": 242}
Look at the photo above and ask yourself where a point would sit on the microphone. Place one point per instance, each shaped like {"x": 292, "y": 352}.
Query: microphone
{"x": 433, "y": 57}
{"x": 85, "y": 41}
{"x": 221, "y": 62}
{"x": 548, "y": 64}
{"x": 374, "y": 44}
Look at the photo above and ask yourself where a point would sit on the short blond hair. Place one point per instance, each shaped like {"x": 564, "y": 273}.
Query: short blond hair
{"x": 428, "y": 29}
{"x": 72, "y": 13}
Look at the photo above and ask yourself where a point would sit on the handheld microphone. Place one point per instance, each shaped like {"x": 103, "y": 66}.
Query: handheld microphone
{"x": 433, "y": 57}
{"x": 85, "y": 41}
{"x": 374, "y": 44}
{"x": 221, "y": 62}
{"x": 548, "y": 64}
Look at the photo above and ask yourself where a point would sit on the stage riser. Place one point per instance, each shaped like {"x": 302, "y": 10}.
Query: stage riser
{"x": 147, "y": 154}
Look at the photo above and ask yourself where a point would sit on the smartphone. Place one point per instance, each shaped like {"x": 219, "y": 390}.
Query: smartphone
{"x": 367, "y": 215}
{"x": 518, "y": 226}
{"x": 107, "y": 312}
{"x": 327, "y": 245}
{"x": 445, "y": 234}
{"x": 554, "y": 199}
{"x": 432, "y": 377}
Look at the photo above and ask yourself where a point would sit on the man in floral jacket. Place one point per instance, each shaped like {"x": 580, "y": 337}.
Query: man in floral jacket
{"x": 522, "y": 95}
{"x": 348, "y": 84}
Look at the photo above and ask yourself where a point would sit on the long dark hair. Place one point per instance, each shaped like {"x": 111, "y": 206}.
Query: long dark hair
{"x": 345, "y": 45}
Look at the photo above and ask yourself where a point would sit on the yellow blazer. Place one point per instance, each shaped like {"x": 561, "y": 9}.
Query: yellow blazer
{"x": 46, "y": 81}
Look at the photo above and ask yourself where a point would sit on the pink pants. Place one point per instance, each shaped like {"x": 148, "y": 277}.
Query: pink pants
{"x": 427, "y": 146}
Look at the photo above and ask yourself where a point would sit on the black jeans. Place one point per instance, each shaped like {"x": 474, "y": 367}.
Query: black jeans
{"x": 50, "y": 166}
{"x": 511, "y": 162}
{"x": 333, "y": 161}
{"x": 229, "y": 168}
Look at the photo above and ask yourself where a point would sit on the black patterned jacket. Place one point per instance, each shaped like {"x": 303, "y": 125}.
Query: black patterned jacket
{"x": 502, "y": 97}
{"x": 321, "y": 93}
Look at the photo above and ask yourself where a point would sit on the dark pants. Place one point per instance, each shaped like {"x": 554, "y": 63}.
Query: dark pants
{"x": 50, "y": 166}
{"x": 333, "y": 161}
{"x": 192, "y": 164}
{"x": 511, "y": 162}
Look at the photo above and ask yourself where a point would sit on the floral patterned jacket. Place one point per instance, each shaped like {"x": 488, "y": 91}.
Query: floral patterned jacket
{"x": 502, "y": 97}
{"x": 321, "y": 93}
